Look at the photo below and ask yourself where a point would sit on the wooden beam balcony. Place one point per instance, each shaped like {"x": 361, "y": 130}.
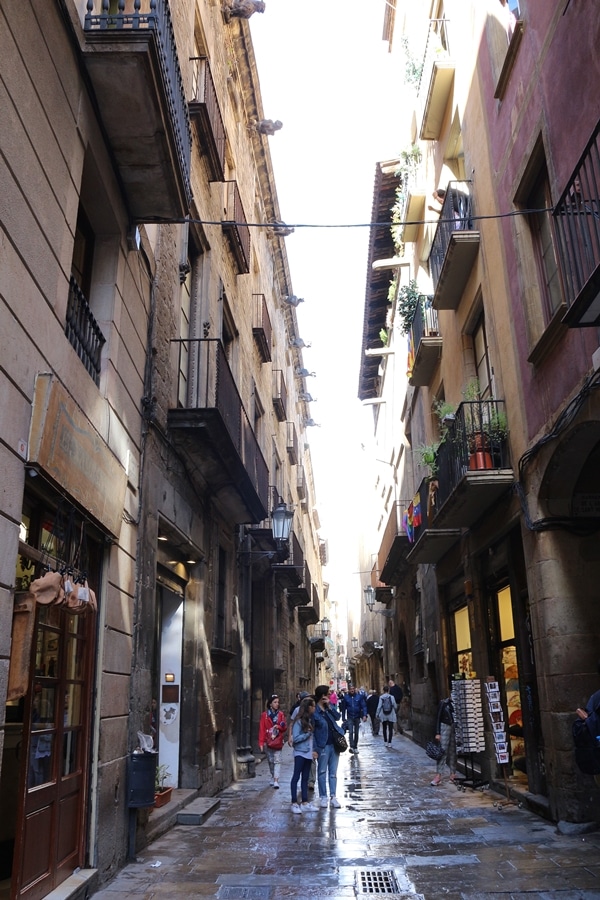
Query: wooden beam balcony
{"x": 235, "y": 227}
{"x": 455, "y": 246}
{"x": 205, "y": 113}
{"x": 132, "y": 62}
{"x": 426, "y": 343}
{"x": 577, "y": 228}
{"x": 261, "y": 327}
{"x": 437, "y": 79}
{"x": 302, "y": 594}
{"x": 212, "y": 431}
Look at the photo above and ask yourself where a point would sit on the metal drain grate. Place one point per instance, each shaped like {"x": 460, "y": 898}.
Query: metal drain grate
{"x": 376, "y": 881}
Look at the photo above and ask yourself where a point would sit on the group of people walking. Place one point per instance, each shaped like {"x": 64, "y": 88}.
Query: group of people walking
{"x": 315, "y": 723}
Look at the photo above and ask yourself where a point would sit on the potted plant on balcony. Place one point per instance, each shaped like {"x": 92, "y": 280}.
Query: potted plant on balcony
{"x": 428, "y": 457}
{"x": 162, "y": 793}
{"x": 409, "y": 296}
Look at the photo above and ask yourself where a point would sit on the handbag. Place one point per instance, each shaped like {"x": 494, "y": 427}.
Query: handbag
{"x": 339, "y": 742}
{"x": 434, "y": 750}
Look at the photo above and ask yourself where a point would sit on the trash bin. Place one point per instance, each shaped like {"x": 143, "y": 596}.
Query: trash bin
{"x": 141, "y": 774}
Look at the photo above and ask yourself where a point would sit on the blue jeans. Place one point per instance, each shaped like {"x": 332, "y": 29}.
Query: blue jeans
{"x": 353, "y": 729}
{"x": 302, "y": 771}
{"x": 328, "y": 764}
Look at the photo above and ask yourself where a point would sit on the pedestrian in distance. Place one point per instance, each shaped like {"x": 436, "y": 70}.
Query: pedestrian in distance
{"x": 372, "y": 703}
{"x": 386, "y": 714}
{"x": 271, "y": 730}
{"x": 304, "y": 753}
{"x": 396, "y": 692}
{"x": 355, "y": 710}
{"x": 445, "y": 733}
{"x": 326, "y": 724}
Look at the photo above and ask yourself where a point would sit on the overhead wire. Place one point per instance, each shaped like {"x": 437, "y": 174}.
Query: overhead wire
{"x": 454, "y": 221}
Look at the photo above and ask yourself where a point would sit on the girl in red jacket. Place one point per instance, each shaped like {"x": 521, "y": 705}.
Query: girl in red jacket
{"x": 271, "y": 729}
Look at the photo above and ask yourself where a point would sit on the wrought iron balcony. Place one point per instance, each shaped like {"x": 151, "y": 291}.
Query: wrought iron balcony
{"x": 235, "y": 226}
{"x": 437, "y": 77}
{"x": 428, "y": 542}
{"x": 292, "y": 443}
{"x": 473, "y": 463}
{"x": 455, "y": 246}
{"x": 279, "y": 395}
{"x": 131, "y": 58}
{"x": 577, "y": 228}
{"x": 83, "y": 331}
{"x": 261, "y": 326}
{"x": 426, "y": 345}
{"x": 212, "y": 430}
{"x": 206, "y": 115}
{"x": 393, "y": 549}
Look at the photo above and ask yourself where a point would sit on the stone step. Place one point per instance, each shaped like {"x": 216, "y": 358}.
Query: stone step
{"x": 198, "y": 811}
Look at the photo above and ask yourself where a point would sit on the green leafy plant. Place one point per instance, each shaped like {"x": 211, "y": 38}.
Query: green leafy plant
{"x": 472, "y": 390}
{"x": 162, "y": 773}
{"x": 409, "y": 296}
{"x": 412, "y": 68}
{"x": 428, "y": 456}
{"x": 497, "y": 427}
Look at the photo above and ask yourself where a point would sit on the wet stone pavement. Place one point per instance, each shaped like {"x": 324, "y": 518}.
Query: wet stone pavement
{"x": 394, "y": 836}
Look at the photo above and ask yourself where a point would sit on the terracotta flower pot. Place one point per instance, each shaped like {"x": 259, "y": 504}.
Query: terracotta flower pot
{"x": 162, "y": 798}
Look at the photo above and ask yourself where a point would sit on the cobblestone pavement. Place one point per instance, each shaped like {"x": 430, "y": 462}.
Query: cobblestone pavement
{"x": 394, "y": 836}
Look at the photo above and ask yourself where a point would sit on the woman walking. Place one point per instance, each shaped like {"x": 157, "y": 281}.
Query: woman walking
{"x": 446, "y": 735}
{"x": 302, "y": 742}
{"x": 271, "y": 729}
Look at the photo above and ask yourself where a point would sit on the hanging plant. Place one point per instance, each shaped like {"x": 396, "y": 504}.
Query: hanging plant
{"x": 409, "y": 296}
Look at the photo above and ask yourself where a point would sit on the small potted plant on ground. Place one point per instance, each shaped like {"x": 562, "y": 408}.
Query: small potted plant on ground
{"x": 162, "y": 793}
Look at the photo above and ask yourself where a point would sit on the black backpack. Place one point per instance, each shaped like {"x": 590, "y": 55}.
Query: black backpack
{"x": 387, "y": 705}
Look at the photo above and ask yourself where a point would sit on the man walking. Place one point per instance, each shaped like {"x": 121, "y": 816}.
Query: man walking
{"x": 396, "y": 692}
{"x": 355, "y": 710}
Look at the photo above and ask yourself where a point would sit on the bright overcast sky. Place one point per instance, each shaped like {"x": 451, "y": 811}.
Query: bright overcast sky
{"x": 325, "y": 72}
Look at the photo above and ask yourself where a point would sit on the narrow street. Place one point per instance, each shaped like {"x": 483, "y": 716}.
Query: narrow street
{"x": 395, "y": 835}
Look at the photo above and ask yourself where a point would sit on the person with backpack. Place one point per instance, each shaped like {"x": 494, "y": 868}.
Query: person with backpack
{"x": 397, "y": 693}
{"x": 386, "y": 713}
{"x": 271, "y": 729}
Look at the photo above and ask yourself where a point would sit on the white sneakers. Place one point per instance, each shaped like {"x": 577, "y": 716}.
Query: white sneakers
{"x": 323, "y": 802}
{"x": 333, "y": 801}
{"x": 296, "y": 809}
{"x": 276, "y": 785}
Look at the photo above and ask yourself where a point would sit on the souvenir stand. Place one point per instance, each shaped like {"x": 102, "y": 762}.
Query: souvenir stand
{"x": 494, "y": 706}
{"x": 468, "y": 715}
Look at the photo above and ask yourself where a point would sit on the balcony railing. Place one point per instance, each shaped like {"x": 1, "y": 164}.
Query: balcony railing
{"x": 577, "y": 228}
{"x": 437, "y": 76}
{"x": 83, "y": 331}
{"x": 236, "y": 228}
{"x": 395, "y": 544}
{"x": 261, "y": 326}
{"x": 132, "y": 60}
{"x": 428, "y": 542}
{"x": 473, "y": 463}
{"x": 205, "y": 111}
{"x": 279, "y": 395}
{"x": 455, "y": 246}
{"x": 426, "y": 345}
{"x": 411, "y": 210}
{"x": 212, "y": 416}
{"x": 292, "y": 443}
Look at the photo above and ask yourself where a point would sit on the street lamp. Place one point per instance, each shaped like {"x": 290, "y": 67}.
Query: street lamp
{"x": 354, "y": 643}
{"x": 325, "y": 626}
{"x": 281, "y": 523}
{"x": 369, "y": 593}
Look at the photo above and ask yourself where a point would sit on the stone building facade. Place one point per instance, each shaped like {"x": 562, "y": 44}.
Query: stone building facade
{"x": 153, "y": 429}
{"x": 490, "y": 515}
